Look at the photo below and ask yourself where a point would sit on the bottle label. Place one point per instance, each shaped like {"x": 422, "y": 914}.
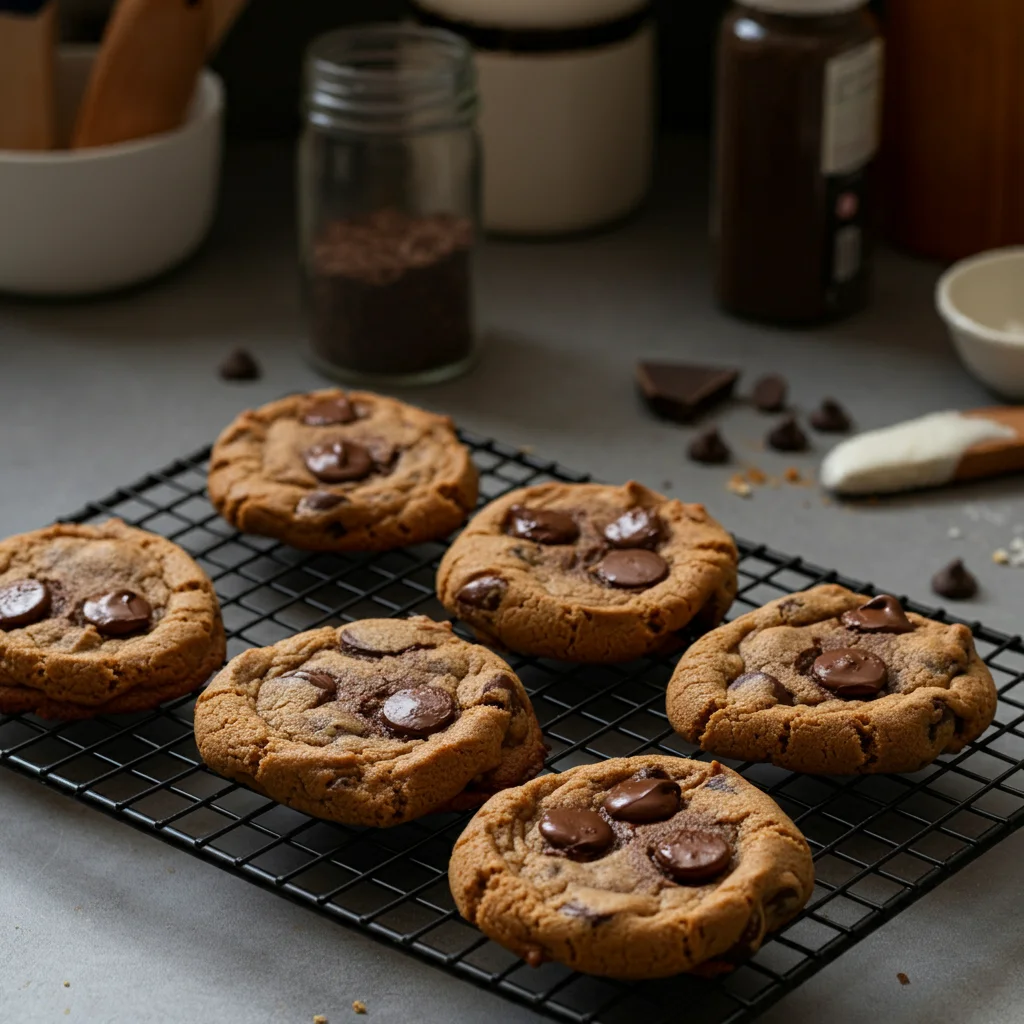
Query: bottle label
{"x": 852, "y": 108}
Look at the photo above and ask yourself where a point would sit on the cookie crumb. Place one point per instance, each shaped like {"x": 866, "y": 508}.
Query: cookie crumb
{"x": 67, "y": 984}
{"x": 319, "y": 1018}
{"x": 902, "y": 978}
{"x": 739, "y": 486}
{"x": 1001, "y": 556}
{"x": 359, "y": 1006}
{"x": 793, "y": 476}
{"x": 756, "y": 476}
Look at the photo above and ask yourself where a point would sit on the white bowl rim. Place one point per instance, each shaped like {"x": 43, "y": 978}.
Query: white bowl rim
{"x": 209, "y": 107}
{"x": 952, "y": 314}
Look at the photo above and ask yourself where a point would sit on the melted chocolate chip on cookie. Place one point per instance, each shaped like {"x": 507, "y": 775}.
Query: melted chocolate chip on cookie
{"x": 693, "y": 858}
{"x": 542, "y": 525}
{"x": 485, "y": 592}
{"x": 848, "y": 672}
{"x": 632, "y": 569}
{"x": 577, "y": 833}
{"x": 23, "y": 602}
{"x": 763, "y": 681}
{"x": 641, "y": 801}
{"x": 337, "y": 462}
{"x": 637, "y": 528}
{"x": 321, "y": 501}
{"x": 882, "y": 614}
{"x": 118, "y": 613}
{"x": 419, "y": 711}
{"x": 329, "y": 412}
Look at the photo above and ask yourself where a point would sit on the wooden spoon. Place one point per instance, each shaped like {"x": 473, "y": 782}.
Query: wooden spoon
{"x": 145, "y": 73}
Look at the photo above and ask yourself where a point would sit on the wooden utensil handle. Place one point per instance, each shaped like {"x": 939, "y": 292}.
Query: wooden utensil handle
{"x": 27, "y": 112}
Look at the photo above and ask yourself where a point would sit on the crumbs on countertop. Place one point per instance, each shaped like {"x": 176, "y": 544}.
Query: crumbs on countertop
{"x": 319, "y": 1018}
{"x": 902, "y": 978}
{"x": 359, "y": 1006}
{"x": 738, "y": 485}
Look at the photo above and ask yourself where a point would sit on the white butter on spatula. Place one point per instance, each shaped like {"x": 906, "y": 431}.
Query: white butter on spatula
{"x": 927, "y": 452}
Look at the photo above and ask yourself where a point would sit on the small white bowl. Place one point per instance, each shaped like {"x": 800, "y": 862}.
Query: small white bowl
{"x": 982, "y": 301}
{"x": 77, "y": 222}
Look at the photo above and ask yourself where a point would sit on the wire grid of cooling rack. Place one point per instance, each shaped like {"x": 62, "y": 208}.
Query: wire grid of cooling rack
{"x": 879, "y": 842}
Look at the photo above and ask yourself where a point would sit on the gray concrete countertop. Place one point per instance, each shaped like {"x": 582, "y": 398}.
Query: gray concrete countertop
{"x": 94, "y": 395}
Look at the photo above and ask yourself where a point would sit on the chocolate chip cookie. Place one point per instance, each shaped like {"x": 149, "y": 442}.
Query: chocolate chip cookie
{"x": 588, "y": 572}
{"x": 101, "y": 620}
{"x": 374, "y": 723}
{"x": 832, "y": 682}
{"x": 342, "y": 471}
{"x": 638, "y": 867}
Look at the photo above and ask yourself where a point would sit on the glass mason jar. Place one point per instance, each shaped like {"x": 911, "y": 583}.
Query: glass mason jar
{"x": 388, "y": 203}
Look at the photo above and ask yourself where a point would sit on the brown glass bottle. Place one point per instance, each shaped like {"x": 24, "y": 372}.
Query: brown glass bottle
{"x": 797, "y": 133}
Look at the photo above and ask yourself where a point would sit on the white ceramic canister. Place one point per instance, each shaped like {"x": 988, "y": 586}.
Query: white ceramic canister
{"x": 566, "y": 107}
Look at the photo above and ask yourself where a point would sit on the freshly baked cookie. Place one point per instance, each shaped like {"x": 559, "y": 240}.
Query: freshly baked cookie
{"x": 832, "y": 682}
{"x": 102, "y": 619}
{"x": 588, "y": 572}
{"x": 638, "y": 867}
{"x": 342, "y": 471}
{"x": 374, "y": 723}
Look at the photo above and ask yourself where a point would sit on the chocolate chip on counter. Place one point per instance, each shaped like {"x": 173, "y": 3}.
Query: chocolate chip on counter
{"x": 239, "y": 365}
{"x": 580, "y": 834}
{"x": 848, "y": 672}
{"x": 485, "y": 593}
{"x": 328, "y": 412}
{"x": 542, "y": 525}
{"x": 320, "y": 501}
{"x": 830, "y": 417}
{"x": 788, "y": 437}
{"x": 118, "y": 613}
{"x": 641, "y": 801}
{"x": 954, "y": 582}
{"x": 709, "y": 448}
{"x": 419, "y": 711}
{"x": 882, "y": 614}
{"x": 338, "y": 461}
{"x": 763, "y": 681}
{"x": 632, "y": 568}
{"x": 769, "y": 393}
{"x": 23, "y": 602}
{"x": 681, "y": 391}
{"x": 693, "y": 858}
{"x": 637, "y": 528}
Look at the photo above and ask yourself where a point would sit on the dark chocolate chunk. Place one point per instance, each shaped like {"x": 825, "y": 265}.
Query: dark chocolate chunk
{"x": 338, "y": 461}
{"x": 119, "y": 613}
{"x": 419, "y": 711}
{"x": 830, "y": 417}
{"x": 788, "y": 437}
{"x": 955, "y": 582}
{"x": 321, "y": 501}
{"x": 632, "y": 568}
{"x": 485, "y": 592}
{"x": 720, "y": 784}
{"x": 637, "y": 528}
{"x": 23, "y": 602}
{"x": 504, "y": 690}
{"x": 763, "y": 681}
{"x": 323, "y": 681}
{"x": 641, "y": 801}
{"x": 328, "y": 412}
{"x": 693, "y": 858}
{"x": 239, "y": 365}
{"x": 709, "y": 448}
{"x": 578, "y": 833}
{"x": 804, "y": 661}
{"x": 542, "y": 525}
{"x": 681, "y": 391}
{"x": 882, "y": 614}
{"x": 769, "y": 393}
{"x": 848, "y": 672}
{"x": 369, "y": 643}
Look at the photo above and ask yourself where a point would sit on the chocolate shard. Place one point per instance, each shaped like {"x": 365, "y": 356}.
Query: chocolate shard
{"x": 769, "y": 393}
{"x": 682, "y": 391}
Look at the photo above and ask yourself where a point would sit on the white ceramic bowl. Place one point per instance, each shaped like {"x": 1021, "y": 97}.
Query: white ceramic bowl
{"x": 982, "y": 301}
{"x": 75, "y": 222}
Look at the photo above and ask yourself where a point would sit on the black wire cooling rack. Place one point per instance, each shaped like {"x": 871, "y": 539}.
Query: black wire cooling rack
{"x": 880, "y": 842}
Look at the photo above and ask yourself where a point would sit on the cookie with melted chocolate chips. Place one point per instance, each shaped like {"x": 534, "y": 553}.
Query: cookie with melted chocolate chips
{"x": 374, "y": 723}
{"x": 588, "y": 572}
{"x": 833, "y": 682}
{"x": 618, "y": 868}
{"x": 342, "y": 471}
{"x": 101, "y": 620}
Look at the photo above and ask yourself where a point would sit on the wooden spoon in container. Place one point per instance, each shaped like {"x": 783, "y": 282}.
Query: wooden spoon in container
{"x": 145, "y": 72}
{"x": 28, "y": 31}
